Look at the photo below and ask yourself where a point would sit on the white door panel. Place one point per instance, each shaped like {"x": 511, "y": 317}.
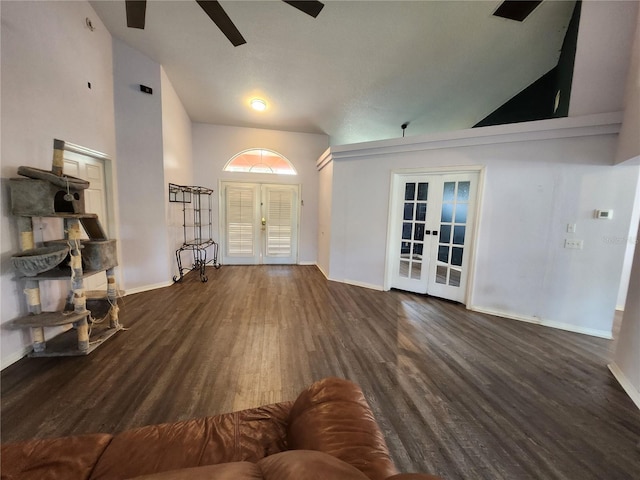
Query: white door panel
{"x": 280, "y": 228}
{"x": 91, "y": 169}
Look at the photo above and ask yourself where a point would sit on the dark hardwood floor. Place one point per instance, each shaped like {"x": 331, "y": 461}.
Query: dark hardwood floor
{"x": 459, "y": 394}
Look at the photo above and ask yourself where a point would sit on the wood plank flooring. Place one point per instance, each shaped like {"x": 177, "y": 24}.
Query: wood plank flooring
{"x": 458, "y": 394}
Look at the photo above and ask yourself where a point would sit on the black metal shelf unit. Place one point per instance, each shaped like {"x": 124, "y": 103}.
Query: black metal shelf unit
{"x": 197, "y": 225}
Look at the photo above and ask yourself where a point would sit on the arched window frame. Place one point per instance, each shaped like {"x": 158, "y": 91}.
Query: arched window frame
{"x": 260, "y": 167}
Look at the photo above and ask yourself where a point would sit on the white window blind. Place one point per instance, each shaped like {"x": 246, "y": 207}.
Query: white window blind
{"x": 240, "y": 221}
{"x": 279, "y": 223}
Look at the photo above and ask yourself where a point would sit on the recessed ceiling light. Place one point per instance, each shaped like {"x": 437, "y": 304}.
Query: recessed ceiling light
{"x": 258, "y": 104}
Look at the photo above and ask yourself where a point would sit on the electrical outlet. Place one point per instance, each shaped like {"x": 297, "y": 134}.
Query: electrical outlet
{"x": 574, "y": 244}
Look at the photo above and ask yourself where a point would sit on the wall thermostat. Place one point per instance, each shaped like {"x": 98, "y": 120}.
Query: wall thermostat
{"x": 604, "y": 214}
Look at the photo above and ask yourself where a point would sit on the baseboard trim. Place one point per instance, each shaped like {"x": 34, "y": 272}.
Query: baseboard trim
{"x": 14, "y": 357}
{"x": 146, "y": 288}
{"x": 356, "y": 283}
{"x": 545, "y": 323}
{"x": 370, "y": 286}
{"x": 307, "y": 263}
{"x": 624, "y": 382}
{"x": 323, "y": 272}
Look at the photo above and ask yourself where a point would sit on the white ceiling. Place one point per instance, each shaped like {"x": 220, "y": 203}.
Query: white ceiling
{"x": 357, "y": 72}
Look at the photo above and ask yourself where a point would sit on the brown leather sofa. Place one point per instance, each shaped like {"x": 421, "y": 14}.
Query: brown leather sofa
{"x": 328, "y": 433}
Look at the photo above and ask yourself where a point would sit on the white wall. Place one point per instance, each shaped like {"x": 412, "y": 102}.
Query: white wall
{"x": 48, "y": 57}
{"x": 629, "y": 143}
{"x": 178, "y": 161}
{"x": 141, "y": 163}
{"x": 213, "y": 147}
{"x": 604, "y": 45}
{"x": 533, "y": 189}
{"x": 626, "y": 365}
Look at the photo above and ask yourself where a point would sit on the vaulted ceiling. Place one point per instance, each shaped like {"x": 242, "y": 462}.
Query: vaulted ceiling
{"x": 357, "y": 72}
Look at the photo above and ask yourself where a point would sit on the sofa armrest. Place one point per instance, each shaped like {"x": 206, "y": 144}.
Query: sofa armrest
{"x": 332, "y": 416}
{"x": 247, "y": 435}
{"x": 70, "y": 458}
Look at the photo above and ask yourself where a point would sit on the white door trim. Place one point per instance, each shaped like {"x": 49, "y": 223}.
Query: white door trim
{"x": 395, "y": 176}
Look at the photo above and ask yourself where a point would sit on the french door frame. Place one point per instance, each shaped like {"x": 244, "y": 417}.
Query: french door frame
{"x": 393, "y": 218}
{"x": 222, "y": 219}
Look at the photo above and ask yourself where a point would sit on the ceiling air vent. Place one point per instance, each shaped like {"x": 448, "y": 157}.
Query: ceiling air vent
{"x": 516, "y": 10}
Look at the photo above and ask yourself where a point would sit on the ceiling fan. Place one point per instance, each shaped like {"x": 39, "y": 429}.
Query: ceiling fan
{"x": 136, "y": 10}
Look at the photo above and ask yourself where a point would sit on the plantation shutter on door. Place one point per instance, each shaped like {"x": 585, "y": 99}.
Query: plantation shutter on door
{"x": 279, "y": 222}
{"x": 240, "y": 221}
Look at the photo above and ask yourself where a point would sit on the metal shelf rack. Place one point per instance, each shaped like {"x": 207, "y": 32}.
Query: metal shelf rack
{"x": 197, "y": 225}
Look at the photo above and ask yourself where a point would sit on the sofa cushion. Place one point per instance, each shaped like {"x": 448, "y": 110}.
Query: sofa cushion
{"x": 53, "y": 458}
{"x": 292, "y": 465}
{"x": 246, "y": 435}
{"x": 307, "y": 465}
{"x": 223, "y": 471}
{"x": 332, "y": 416}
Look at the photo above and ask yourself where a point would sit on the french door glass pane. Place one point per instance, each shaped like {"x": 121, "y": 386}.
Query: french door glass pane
{"x": 410, "y": 191}
{"x": 404, "y": 269}
{"x": 453, "y": 218}
{"x": 447, "y": 212}
{"x": 445, "y": 233}
{"x": 408, "y": 211}
{"x": 406, "y": 231}
{"x": 458, "y": 234}
{"x": 456, "y": 256}
{"x": 416, "y": 270}
{"x": 463, "y": 191}
{"x": 461, "y": 213}
{"x": 449, "y": 190}
{"x": 454, "y": 277}
{"x": 441, "y": 274}
{"x": 423, "y": 190}
{"x": 414, "y": 216}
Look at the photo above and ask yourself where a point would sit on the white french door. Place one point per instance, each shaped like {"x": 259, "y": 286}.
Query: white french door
{"x": 431, "y": 233}
{"x": 259, "y": 223}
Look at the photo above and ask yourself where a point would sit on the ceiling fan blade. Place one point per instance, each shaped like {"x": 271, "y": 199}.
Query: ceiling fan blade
{"x": 310, "y": 7}
{"x": 222, "y": 20}
{"x": 136, "y": 10}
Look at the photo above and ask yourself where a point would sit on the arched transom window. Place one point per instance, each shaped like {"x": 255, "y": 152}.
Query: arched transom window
{"x": 260, "y": 160}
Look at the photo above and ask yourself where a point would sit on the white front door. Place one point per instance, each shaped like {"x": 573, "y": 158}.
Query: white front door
{"x": 431, "y": 233}
{"x": 259, "y": 223}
